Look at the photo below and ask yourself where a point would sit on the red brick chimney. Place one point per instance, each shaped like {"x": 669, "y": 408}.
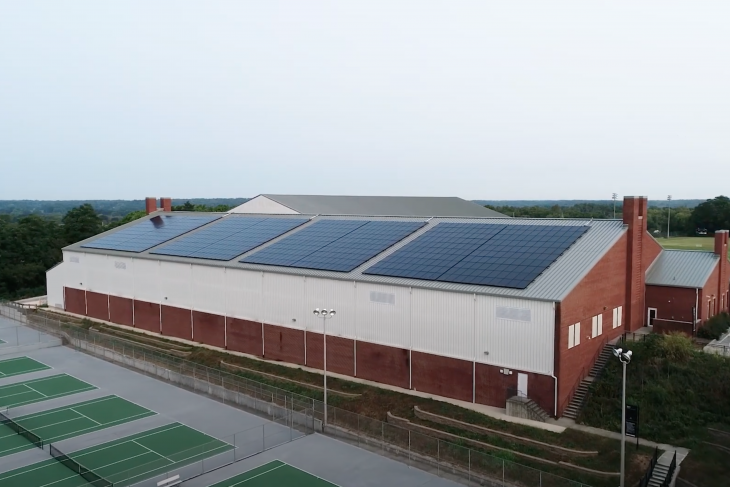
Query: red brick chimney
{"x": 166, "y": 204}
{"x": 721, "y": 247}
{"x": 150, "y": 205}
{"x": 635, "y": 216}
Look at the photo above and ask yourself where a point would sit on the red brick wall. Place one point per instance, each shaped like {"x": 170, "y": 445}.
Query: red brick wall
{"x": 379, "y": 363}
{"x": 599, "y": 292}
{"x": 176, "y": 322}
{"x": 121, "y": 311}
{"x": 671, "y": 303}
{"x": 209, "y": 329}
{"x": 285, "y": 344}
{"x": 638, "y": 250}
{"x": 443, "y": 376}
{"x": 493, "y": 387}
{"x": 75, "y": 300}
{"x": 340, "y": 353}
{"x": 97, "y": 305}
{"x": 721, "y": 248}
{"x": 664, "y": 327}
{"x": 706, "y": 294}
{"x": 147, "y": 316}
{"x": 244, "y": 336}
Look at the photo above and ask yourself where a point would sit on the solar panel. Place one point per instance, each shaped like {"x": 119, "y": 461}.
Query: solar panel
{"x": 489, "y": 255}
{"x": 336, "y": 245}
{"x": 149, "y": 233}
{"x": 229, "y": 237}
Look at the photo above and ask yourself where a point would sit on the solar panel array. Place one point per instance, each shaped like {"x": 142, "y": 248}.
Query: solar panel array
{"x": 334, "y": 245}
{"x": 229, "y": 237}
{"x": 490, "y": 255}
{"x": 149, "y": 233}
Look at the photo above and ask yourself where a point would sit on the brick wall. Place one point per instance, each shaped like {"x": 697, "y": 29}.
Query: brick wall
{"x": 285, "y": 344}
{"x": 443, "y": 376}
{"x": 244, "y": 336}
{"x": 635, "y": 213}
{"x": 209, "y": 329}
{"x": 671, "y": 303}
{"x": 176, "y": 322}
{"x": 75, "y": 300}
{"x": 147, "y": 316}
{"x": 340, "y": 353}
{"x": 97, "y": 305}
{"x": 599, "y": 292}
{"x": 121, "y": 311}
{"x": 709, "y": 293}
{"x": 387, "y": 365}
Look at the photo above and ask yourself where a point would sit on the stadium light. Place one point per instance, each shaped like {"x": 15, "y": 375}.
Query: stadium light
{"x": 614, "y": 196}
{"x": 324, "y": 313}
{"x": 625, "y": 358}
{"x": 669, "y": 214}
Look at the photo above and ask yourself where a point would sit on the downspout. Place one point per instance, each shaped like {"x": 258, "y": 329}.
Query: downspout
{"x": 697, "y": 309}
{"x": 556, "y": 349}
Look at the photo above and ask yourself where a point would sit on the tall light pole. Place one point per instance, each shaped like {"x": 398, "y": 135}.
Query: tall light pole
{"x": 624, "y": 358}
{"x": 614, "y": 196}
{"x": 324, "y": 313}
{"x": 669, "y": 214}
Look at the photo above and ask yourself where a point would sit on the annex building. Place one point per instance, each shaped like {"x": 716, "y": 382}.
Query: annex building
{"x": 472, "y": 307}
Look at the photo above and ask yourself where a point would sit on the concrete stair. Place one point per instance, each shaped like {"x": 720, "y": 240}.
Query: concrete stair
{"x": 659, "y": 475}
{"x": 537, "y": 410}
{"x": 581, "y": 393}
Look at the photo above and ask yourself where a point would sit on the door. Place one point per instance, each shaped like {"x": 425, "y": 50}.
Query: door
{"x": 522, "y": 385}
{"x": 651, "y": 317}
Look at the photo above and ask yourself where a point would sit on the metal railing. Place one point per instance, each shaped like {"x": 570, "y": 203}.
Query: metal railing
{"x": 434, "y": 455}
{"x": 644, "y": 482}
{"x": 670, "y": 473}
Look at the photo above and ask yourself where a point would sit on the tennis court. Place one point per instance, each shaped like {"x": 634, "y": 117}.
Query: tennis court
{"x": 122, "y": 462}
{"x": 69, "y": 421}
{"x": 37, "y": 390}
{"x": 20, "y": 365}
{"x": 275, "y": 474}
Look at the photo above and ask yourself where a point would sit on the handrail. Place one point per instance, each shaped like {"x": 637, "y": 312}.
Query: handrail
{"x": 644, "y": 482}
{"x": 670, "y": 472}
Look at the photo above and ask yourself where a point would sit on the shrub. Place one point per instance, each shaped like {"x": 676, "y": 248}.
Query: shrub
{"x": 676, "y": 347}
{"x": 715, "y": 327}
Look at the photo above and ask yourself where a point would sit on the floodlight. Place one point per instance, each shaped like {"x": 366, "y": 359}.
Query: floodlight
{"x": 626, "y": 356}
{"x": 332, "y": 312}
{"x": 316, "y": 311}
{"x": 616, "y": 351}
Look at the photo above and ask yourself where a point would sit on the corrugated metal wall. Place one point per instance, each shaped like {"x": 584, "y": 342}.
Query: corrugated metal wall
{"x": 506, "y": 332}
{"x": 55, "y": 280}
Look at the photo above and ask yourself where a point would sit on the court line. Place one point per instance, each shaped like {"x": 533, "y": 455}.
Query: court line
{"x": 39, "y": 392}
{"x": 178, "y": 425}
{"x": 85, "y": 416}
{"x": 23, "y": 372}
{"x": 257, "y": 475}
{"x": 57, "y": 410}
{"x": 106, "y": 425}
{"x": 13, "y": 359}
{"x": 153, "y": 451}
{"x": 250, "y": 469}
{"x": 69, "y": 393}
{"x": 308, "y": 473}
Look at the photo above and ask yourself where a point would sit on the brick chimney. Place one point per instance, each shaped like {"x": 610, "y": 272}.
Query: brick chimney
{"x": 166, "y": 204}
{"x": 150, "y": 205}
{"x": 635, "y": 216}
{"x": 721, "y": 247}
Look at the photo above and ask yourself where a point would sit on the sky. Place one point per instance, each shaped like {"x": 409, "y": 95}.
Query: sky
{"x": 477, "y": 99}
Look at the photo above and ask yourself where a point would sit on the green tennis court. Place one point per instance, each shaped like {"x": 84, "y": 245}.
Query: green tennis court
{"x": 69, "y": 421}
{"x": 275, "y": 474}
{"x": 125, "y": 461}
{"x": 20, "y": 365}
{"x": 37, "y": 390}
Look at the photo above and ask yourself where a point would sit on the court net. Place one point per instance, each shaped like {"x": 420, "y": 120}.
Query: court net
{"x": 28, "y": 435}
{"x": 88, "y": 475}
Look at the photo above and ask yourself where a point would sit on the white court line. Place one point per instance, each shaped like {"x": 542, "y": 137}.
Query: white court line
{"x": 152, "y": 451}
{"x": 178, "y": 425}
{"x": 39, "y": 392}
{"x": 258, "y": 475}
{"x": 16, "y": 394}
{"x": 23, "y": 372}
{"x": 58, "y": 410}
{"x": 308, "y": 473}
{"x": 105, "y": 425}
{"x": 48, "y": 397}
{"x": 84, "y": 416}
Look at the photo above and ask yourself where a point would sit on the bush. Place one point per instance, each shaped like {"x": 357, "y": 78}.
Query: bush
{"x": 677, "y": 348}
{"x": 715, "y": 327}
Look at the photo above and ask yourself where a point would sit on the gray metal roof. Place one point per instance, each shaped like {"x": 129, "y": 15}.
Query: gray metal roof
{"x": 682, "y": 268}
{"x": 552, "y": 285}
{"x": 382, "y": 205}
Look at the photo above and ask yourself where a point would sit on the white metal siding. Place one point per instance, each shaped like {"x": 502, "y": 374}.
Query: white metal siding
{"x": 146, "y": 280}
{"x": 209, "y": 289}
{"x": 75, "y": 273}
{"x": 443, "y": 323}
{"x": 55, "y": 279}
{"x": 176, "y": 282}
{"x": 283, "y": 300}
{"x": 97, "y": 273}
{"x": 262, "y": 204}
{"x": 386, "y": 324}
{"x": 515, "y": 344}
{"x": 121, "y": 276}
{"x": 325, "y": 293}
{"x": 243, "y": 294}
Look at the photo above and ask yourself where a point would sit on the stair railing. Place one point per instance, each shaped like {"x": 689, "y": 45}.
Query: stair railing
{"x": 644, "y": 482}
{"x": 670, "y": 472}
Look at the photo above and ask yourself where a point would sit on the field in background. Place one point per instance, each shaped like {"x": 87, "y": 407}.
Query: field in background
{"x": 689, "y": 243}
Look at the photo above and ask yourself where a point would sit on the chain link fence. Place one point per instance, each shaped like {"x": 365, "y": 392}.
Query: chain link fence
{"x": 303, "y": 415}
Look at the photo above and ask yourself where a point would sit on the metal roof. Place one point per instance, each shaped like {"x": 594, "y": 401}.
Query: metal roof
{"x": 682, "y": 268}
{"x": 552, "y": 285}
{"x": 382, "y": 205}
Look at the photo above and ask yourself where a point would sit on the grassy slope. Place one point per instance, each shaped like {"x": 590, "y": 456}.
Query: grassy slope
{"x": 678, "y": 400}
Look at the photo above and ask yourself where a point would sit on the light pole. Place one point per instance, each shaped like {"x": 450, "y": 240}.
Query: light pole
{"x": 614, "y": 196}
{"x": 624, "y": 358}
{"x": 324, "y": 314}
{"x": 669, "y": 215}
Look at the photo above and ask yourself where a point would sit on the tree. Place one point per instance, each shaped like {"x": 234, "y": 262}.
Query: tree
{"x": 712, "y": 215}
{"x": 81, "y": 223}
{"x": 130, "y": 217}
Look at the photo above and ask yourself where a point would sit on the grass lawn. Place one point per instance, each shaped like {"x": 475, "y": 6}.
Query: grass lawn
{"x": 689, "y": 243}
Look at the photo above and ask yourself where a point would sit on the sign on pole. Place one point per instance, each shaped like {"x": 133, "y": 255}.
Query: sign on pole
{"x": 632, "y": 422}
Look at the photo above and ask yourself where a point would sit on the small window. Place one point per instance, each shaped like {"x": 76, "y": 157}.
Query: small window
{"x": 383, "y": 298}
{"x": 75, "y": 259}
{"x": 574, "y": 335}
{"x": 617, "y": 316}
{"x": 120, "y": 265}
{"x": 514, "y": 314}
{"x": 597, "y": 326}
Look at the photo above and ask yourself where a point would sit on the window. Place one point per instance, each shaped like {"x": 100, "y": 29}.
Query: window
{"x": 515, "y": 314}
{"x": 617, "y": 316}
{"x": 597, "y": 323}
{"x": 383, "y": 298}
{"x": 574, "y": 335}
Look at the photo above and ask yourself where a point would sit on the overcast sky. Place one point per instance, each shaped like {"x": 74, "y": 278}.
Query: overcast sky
{"x": 483, "y": 100}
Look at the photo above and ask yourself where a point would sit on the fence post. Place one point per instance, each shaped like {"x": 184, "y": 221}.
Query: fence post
{"x": 469, "y": 450}
{"x": 409, "y": 445}
{"x": 438, "y": 456}
{"x": 382, "y": 435}
{"x": 503, "y": 472}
